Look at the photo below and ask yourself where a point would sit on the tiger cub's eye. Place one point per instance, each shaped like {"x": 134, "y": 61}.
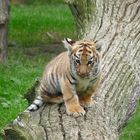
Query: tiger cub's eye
{"x": 77, "y": 61}
{"x": 89, "y": 62}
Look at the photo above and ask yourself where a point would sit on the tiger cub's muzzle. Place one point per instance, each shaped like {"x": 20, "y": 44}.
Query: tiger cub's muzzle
{"x": 83, "y": 71}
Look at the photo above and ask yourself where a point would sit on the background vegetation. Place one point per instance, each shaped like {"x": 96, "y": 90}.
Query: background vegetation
{"x": 33, "y": 25}
{"x": 35, "y": 33}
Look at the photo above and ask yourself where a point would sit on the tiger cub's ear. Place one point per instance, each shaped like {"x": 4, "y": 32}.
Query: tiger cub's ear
{"x": 68, "y": 43}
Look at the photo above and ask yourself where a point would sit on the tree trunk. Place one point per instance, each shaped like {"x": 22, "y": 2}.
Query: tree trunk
{"x": 116, "y": 26}
{"x": 3, "y": 29}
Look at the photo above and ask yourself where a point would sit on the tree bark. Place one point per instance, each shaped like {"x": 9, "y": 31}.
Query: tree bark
{"x": 116, "y": 26}
{"x": 4, "y": 4}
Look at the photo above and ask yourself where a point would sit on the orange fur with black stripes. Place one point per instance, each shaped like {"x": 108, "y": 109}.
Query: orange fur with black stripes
{"x": 72, "y": 77}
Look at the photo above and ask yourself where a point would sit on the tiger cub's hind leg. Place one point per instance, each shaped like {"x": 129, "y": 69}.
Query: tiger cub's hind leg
{"x": 52, "y": 99}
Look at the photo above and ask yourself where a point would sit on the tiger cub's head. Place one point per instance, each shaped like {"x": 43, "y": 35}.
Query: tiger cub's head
{"x": 84, "y": 57}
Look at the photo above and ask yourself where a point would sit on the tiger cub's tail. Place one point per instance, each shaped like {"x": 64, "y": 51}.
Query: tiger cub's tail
{"x": 37, "y": 103}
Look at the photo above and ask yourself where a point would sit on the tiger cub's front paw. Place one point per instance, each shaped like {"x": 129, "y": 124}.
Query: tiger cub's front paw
{"x": 75, "y": 111}
{"x": 86, "y": 102}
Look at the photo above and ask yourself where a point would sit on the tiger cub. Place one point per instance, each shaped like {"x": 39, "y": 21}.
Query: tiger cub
{"x": 72, "y": 77}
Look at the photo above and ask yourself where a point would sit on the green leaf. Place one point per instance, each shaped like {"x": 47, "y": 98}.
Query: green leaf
{"x": 5, "y": 104}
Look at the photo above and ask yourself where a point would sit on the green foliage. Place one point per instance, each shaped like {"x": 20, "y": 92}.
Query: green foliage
{"x": 16, "y": 77}
{"x": 30, "y": 26}
{"x": 36, "y": 2}
{"x": 132, "y": 129}
{"x": 36, "y": 25}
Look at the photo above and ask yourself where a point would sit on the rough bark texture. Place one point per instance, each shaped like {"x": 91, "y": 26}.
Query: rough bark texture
{"x": 3, "y": 29}
{"x": 116, "y": 26}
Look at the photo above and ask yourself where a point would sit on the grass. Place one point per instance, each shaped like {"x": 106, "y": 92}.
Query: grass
{"x": 17, "y": 76}
{"x": 31, "y": 27}
{"x": 37, "y": 2}
{"x": 132, "y": 129}
{"x": 34, "y": 25}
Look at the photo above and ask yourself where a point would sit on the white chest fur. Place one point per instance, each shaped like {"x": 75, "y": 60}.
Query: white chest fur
{"x": 83, "y": 84}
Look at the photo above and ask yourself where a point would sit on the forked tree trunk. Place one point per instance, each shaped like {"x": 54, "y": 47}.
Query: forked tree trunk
{"x": 3, "y": 29}
{"x": 116, "y": 26}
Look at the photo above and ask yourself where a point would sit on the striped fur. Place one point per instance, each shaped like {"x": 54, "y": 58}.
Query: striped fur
{"x": 37, "y": 103}
{"x": 73, "y": 77}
